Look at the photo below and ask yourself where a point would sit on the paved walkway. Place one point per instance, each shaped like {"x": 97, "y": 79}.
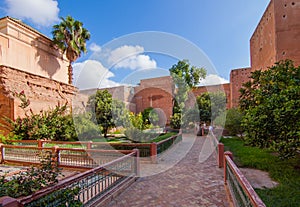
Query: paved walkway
{"x": 192, "y": 179}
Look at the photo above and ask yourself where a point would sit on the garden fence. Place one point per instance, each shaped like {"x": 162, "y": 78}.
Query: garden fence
{"x": 242, "y": 193}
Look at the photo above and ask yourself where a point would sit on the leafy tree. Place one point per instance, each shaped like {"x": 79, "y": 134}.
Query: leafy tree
{"x": 185, "y": 77}
{"x": 271, "y": 103}
{"x": 176, "y": 121}
{"x": 101, "y": 108}
{"x": 233, "y": 122}
{"x": 85, "y": 127}
{"x": 70, "y": 36}
{"x": 121, "y": 115}
{"x": 211, "y": 105}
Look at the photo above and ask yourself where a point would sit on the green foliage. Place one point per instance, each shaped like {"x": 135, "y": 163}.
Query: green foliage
{"x": 271, "y": 104}
{"x": 234, "y": 122}
{"x": 120, "y": 114}
{"x": 136, "y": 121}
{"x": 175, "y": 122}
{"x": 211, "y": 105}
{"x": 150, "y": 117}
{"x": 86, "y": 129}
{"x": 190, "y": 117}
{"x": 100, "y": 105}
{"x": 52, "y": 124}
{"x": 137, "y": 135}
{"x": 70, "y": 36}
{"x": 33, "y": 179}
{"x": 164, "y": 136}
{"x": 185, "y": 77}
{"x": 286, "y": 172}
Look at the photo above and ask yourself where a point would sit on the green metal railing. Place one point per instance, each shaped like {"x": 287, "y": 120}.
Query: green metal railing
{"x": 165, "y": 144}
{"x": 242, "y": 193}
{"x": 89, "y": 187}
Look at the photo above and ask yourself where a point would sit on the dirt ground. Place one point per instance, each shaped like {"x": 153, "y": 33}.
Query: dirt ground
{"x": 258, "y": 179}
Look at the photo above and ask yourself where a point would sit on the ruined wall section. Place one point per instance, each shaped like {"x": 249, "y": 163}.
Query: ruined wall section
{"x": 43, "y": 93}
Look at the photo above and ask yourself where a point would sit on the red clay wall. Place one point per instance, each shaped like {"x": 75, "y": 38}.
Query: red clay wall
{"x": 237, "y": 78}
{"x": 277, "y": 36}
{"x": 287, "y": 18}
{"x": 155, "y": 98}
{"x": 263, "y": 41}
{"x": 214, "y": 88}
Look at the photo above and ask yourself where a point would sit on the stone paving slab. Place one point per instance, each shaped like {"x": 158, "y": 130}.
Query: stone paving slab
{"x": 187, "y": 182}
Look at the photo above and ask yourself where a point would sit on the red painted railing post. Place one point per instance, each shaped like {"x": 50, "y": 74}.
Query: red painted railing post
{"x": 40, "y": 143}
{"x": 153, "y": 152}
{"x": 220, "y": 155}
{"x": 227, "y": 153}
{"x": 2, "y": 153}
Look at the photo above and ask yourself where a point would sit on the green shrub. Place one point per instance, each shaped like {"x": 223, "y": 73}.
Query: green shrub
{"x": 33, "y": 179}
{"x": 176, "y": 121}
{"x": 52, "y": 124}
{"x": 136, "y": 135}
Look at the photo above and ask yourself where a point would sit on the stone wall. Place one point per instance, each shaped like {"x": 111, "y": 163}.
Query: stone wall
{"x": 26, "y": 49}
{"x": 237, "y": 78}
{"x": 277, "y": 36}
{"x": 213, "y": 88}
{"x": 42, "y": 92}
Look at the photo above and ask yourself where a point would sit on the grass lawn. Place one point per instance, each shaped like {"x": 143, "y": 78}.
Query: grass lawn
{"x": 286, "y": 172}
{"x": 164, "y": 136}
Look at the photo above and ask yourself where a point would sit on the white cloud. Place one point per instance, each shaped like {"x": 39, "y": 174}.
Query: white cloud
{"x": 137, "y": 62}
{"x": 128, "y": 56}
{"x": 213, "y": 79}
{"x": 40, "y": 12}
{"x": 92, "y": 74}
{"x": 123, "y": 52}
{"x": 95, "y": 48}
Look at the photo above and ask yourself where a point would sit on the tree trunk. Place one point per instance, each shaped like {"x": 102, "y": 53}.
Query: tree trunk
{"x": 70, "y": 73}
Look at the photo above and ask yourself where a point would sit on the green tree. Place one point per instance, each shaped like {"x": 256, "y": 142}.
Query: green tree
{"x": 185, "y": 77}
{"x": 233, "y": 122}
{"x": 70, "y": 36}
{"x": 100, "y": 105}
{"x": 271, "y": 104}
{"x": 211, "y": 105}
{"x": 121, "y": 115}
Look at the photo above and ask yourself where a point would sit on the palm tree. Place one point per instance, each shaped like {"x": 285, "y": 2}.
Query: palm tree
{"x": 71, "y": 38}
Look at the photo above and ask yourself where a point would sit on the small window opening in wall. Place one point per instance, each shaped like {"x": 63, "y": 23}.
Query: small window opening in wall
{"x": 284, "y": 16}
{"x": 285, "y": 5}
{"x": 293, "y": 3}
{"x": 283, "y": 53}
{"x": 260, "y": 49}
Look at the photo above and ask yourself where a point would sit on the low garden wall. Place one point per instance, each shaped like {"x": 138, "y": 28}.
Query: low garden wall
{"x": 148, "y": 151}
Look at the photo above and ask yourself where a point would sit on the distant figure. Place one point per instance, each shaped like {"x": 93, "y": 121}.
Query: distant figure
{"x": 210, "y": 128}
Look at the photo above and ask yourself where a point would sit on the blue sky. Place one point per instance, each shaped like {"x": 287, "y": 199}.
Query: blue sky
{"x": 221, "y": 29}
